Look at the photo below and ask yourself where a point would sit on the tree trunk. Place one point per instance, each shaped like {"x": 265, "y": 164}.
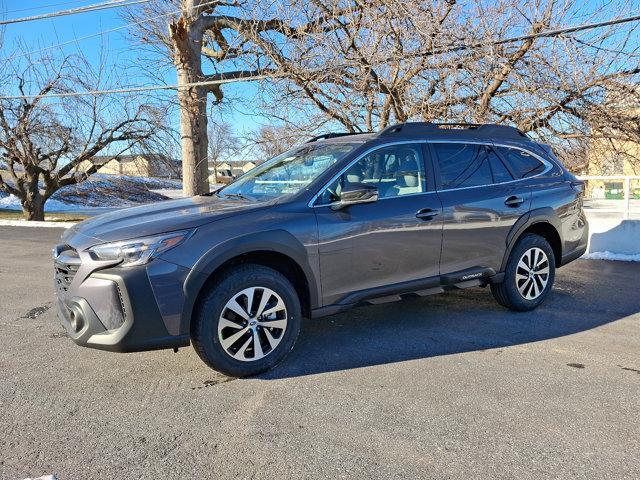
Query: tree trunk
{"x": 193, "y": 132}
{"x": 33, "y": 210}
{"x": 186, "y": 34}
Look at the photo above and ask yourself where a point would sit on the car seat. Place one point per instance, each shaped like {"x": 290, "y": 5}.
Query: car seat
{"x": 407, "y": 178}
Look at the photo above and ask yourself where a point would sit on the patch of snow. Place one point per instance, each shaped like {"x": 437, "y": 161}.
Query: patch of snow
{"x": 103, "y": 191}
{"x": 44, "y": 477}
{"x": 168, "y": 192}
{"x": 612, "y": 256}
{"x": 25, "y": 223}
{"x": 11, "y": 202}
{"x": 149, "y": 181}
{"x": 177, "y": 192}
{"x": 614, "y": 234}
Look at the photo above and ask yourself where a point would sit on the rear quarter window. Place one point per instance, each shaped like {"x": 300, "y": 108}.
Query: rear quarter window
{"x": 521, "y": 163}
{"x": 500, "y": 173}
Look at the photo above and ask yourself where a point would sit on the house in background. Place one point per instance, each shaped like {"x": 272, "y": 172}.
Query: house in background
{"x": 226, "y": 172}
{"x": 610, "y": 152}
{"x": 142, "y": 165}
{"x": 611, "y": 155}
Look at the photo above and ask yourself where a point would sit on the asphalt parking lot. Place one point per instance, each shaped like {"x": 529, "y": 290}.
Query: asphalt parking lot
{"x": 450, "y": 386}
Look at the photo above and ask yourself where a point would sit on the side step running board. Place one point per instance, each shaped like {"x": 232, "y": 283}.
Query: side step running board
{"x": 470, "y": 277}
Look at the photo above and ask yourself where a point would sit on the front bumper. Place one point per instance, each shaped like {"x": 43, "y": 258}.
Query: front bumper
{"x": 113, "y": 308}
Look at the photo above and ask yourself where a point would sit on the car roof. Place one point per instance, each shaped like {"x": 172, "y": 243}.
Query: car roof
{"x": 432, "y": 131}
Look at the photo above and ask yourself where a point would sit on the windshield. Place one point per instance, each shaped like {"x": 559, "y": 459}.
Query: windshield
{"x": 288, "y": 173}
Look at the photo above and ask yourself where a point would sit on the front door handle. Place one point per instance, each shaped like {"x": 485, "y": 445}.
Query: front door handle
{"x": 426, "y": 214}
{"x": 514, "y": 201}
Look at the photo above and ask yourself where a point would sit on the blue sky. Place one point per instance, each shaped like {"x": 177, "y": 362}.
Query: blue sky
{"x": 120, "y": 51}
{"x": 42, "y": 33}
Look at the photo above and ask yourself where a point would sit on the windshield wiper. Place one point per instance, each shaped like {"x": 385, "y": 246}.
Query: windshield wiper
{"x": 236, "y": 195}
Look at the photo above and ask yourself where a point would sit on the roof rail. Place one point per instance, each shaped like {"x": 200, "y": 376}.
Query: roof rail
{"x": 482, "y": 129}
{"x": 332, "y": 135}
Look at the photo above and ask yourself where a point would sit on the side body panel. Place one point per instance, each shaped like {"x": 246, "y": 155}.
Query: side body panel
{"x": 477, "y": 220}
{"x": 556, "y": 203}
{"x": 368, "y": 247}
{"x": 381, "y": 243}
{"x": 557, "y": 193}
{"x": 476, "y": 225}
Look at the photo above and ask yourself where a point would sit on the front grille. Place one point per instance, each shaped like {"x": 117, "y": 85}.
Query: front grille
{"x": 66, "y": 266}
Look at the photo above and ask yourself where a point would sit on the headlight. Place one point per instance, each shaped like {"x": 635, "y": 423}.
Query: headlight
{"x": 138, "y": 251}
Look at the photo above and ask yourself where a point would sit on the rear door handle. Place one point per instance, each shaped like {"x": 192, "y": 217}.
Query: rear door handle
{"x": 514, "y": 201}
{"x": 426, "y": 214}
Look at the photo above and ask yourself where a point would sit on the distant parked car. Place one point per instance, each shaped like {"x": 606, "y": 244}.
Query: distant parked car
{"x": 340, "y": 221}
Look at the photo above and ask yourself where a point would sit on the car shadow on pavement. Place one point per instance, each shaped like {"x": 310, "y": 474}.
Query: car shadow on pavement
{"x": 461, "y": 321}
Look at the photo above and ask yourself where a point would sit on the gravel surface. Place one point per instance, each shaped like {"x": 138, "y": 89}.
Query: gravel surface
{"x": 451, "y": 386}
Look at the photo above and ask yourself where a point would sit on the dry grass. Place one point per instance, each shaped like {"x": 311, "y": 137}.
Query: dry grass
{"x": 55, "y": 217}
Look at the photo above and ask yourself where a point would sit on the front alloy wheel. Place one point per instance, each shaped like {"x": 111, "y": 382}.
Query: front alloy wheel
{"x": 247, "y": 321}
{"x": 252, "y": 323}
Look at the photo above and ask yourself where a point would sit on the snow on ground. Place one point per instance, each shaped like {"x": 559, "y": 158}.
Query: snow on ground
{"x": 174, "y": 193}
{"x": 102, "y": 191}
{"x": 611, "y": 256}
{"x": 614, "y": 234}
{"x": 24, "y": 223}
{"x": 45, "y": 477}
{"x": 12, "y": 202}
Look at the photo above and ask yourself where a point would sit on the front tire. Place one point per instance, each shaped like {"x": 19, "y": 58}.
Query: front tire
{"x": 247, "y": 323}
{"x": 529, "y": 274}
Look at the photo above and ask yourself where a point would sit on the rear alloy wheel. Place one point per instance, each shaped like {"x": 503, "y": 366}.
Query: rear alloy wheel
{"x": 532, "y": 273}
{"x": 529, "y": 274}
{"x": 248, "y": 322}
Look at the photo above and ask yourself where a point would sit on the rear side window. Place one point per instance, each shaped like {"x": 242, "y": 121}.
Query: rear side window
{"x": 522, "y": 164}
{"x": 500, "y": 172}
{"x": 462, "y": 165}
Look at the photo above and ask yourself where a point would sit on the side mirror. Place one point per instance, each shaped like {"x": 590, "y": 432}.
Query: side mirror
{"x": 355, "y": 193}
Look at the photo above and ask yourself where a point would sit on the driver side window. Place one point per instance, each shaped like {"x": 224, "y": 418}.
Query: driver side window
{"x": 395, "y": 170}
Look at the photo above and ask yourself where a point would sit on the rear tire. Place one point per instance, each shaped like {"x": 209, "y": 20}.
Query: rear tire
{"x": 248, "y": 322}
{"x": 529, "y": 274}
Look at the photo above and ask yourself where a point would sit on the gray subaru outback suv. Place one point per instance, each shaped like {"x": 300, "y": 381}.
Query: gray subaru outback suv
{"x": 338, "y": 222}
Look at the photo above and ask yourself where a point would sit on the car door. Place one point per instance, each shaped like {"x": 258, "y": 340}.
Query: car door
{"x": 481, "y": 202}
{"x": 392, "y": 240}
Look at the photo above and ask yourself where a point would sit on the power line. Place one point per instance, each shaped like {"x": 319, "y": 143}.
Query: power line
{"x": 549, "y": 33}
{"x": 246, "y": 78}
{"x": 45, "y": 6}
{"x": 98, "y": 34}
{"x": 144, "y": 88}
{"x": 85, "y": 37}
{"x": 74, "y": 11}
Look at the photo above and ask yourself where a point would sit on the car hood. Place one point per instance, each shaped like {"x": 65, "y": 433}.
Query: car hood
{"x": 165, "y": 216}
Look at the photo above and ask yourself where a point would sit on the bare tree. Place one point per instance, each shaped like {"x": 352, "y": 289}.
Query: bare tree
{"x": 222, "y": 144}
{"x": 395, "y": 61}
{"x": 233, "y": 35}
{"x": 50, "y": 143}
{"x": 614, "y": 131}
{"x": 272, "y": 140}
{"x": 360, "y": 66}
